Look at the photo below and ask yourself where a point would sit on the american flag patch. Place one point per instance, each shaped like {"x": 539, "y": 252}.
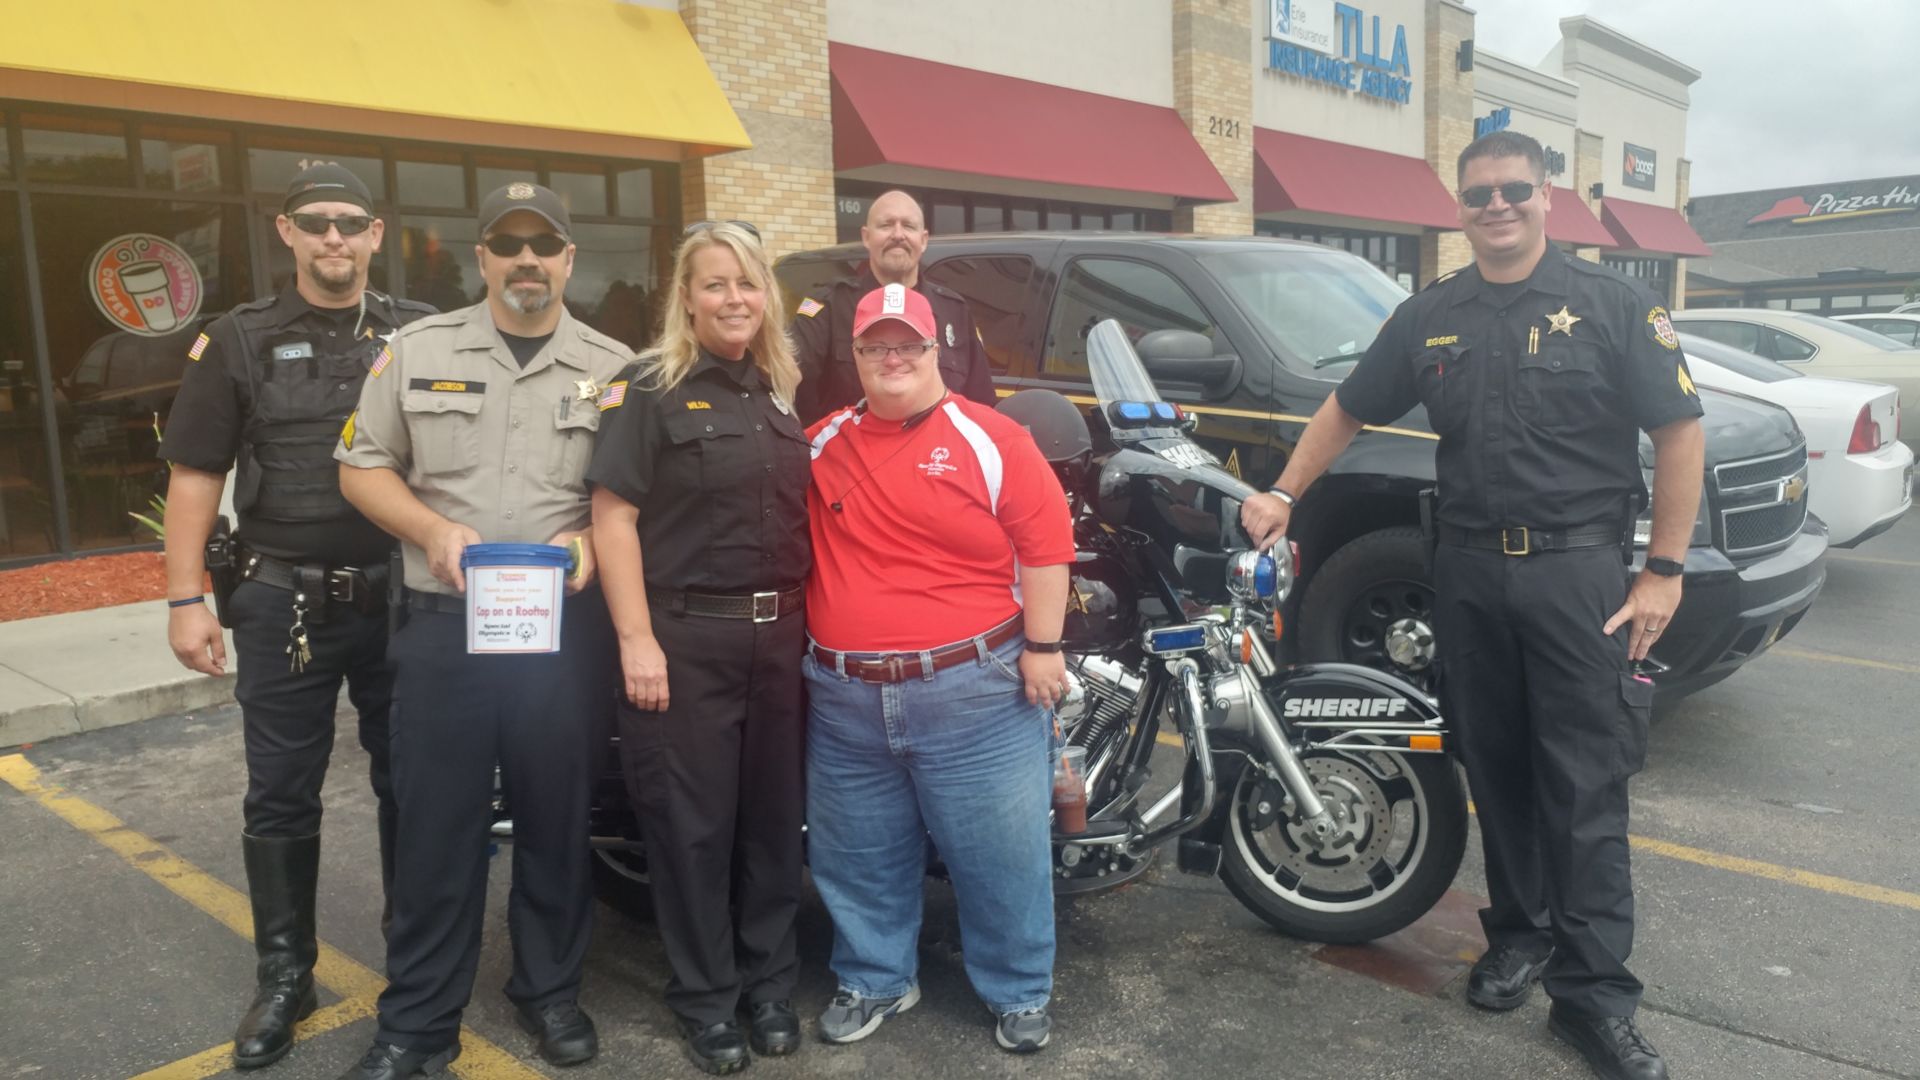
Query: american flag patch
{"x": 380, "y": 365}
{"x": 612, "y": 396}
{"x": 810, "y": 307}
{"x": 199, "y": 346}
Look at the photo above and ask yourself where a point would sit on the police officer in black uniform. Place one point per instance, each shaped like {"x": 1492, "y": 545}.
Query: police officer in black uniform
{"x": 700, "y": 519}
{"x": 1538, "y": 370}
{"x": 269, "y": 385}
{"x": 896, "y": 236}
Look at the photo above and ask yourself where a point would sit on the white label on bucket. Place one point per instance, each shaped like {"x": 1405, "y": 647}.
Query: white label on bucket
{"x": 514, "y": 609}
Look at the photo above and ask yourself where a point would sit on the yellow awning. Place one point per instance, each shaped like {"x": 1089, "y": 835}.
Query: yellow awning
{"x": 605, "y": 77}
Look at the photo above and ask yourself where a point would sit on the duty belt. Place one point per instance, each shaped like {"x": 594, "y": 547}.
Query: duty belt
{"x": 901, "y": 666}
{"x": 1522, "y": 540}
{"x": 761, "y": 607}
{"x": 365, "y": 591}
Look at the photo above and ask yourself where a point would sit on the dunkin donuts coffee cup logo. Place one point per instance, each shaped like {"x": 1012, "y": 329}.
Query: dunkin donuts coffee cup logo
{"x": 144, "y": 284}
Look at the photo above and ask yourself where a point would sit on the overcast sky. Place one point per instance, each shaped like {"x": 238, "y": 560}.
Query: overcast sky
{"x": 1790, "y": 91}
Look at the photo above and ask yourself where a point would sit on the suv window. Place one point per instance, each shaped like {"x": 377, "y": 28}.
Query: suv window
{"x": 997, "y": 288}
{"x": 1787, "y": 348}
{"x": 1740, "y": 335}
{"x": 1144, "y": 298}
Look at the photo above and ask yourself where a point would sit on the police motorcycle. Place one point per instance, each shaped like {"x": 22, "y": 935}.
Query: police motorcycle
{"x": 1322, "y": 795}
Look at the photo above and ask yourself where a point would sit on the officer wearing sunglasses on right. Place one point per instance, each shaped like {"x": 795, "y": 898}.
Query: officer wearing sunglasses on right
{"x": 1538, "y": 370}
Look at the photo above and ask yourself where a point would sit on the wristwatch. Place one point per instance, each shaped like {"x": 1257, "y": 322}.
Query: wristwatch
{"x": 1045, "y": 646}
{"x": 1282, "y": 494}
{"x": 1665, "y": 567}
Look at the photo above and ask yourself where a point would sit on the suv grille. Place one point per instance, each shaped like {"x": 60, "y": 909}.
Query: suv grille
{"x": 1761, "y": 502}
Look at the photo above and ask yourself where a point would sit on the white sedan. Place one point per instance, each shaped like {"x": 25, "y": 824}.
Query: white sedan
{"x": 1903, "y": 327}
{"x": 1859, "y": 476}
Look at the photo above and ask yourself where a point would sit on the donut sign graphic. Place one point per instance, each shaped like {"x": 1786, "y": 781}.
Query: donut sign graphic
{"x": 144, "y": 284}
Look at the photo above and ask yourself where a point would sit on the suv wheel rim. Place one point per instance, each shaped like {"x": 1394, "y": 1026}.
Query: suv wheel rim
{"x": 1390, "y": 626}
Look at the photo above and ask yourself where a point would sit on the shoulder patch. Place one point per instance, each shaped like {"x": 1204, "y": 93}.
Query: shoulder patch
{"x": 1663, "y": 333}
{"x": 1444, "y": 278}
{"x": 380, "y": 365}
{"x": 199, "y": 347}
{"x": 810, "y": 307}
{"x": 613, "y": 396}
{"x": 346, "y": 430}
{"x": 1686, "y": 381}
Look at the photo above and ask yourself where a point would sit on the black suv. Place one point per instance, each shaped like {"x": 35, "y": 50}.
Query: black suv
{"x": 1251, "y": 334}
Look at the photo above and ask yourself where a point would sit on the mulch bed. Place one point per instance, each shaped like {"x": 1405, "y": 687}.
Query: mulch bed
{"x": 82, "y": 584}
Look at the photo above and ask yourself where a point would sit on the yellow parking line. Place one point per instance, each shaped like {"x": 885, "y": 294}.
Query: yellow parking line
{"x": 219, "y": 1059}
{"x": 1798, "y": 653}
{"x": 335, "y": 970}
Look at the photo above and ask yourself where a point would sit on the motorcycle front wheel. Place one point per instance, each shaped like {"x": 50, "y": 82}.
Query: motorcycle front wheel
{"x": 1401, "y": 830}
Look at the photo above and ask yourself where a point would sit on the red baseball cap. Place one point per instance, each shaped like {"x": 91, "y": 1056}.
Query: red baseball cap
{"x": 894, "y": 302}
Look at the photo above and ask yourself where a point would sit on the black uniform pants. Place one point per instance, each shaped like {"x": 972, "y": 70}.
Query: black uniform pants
{"x": 1551, "y": 724}
{"x": 455, "y": 717}
{"x": 716, "y": 780}
{"x": 287, "y": 716}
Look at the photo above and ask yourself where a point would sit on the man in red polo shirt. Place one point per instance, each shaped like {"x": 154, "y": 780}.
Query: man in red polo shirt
{"x": 941, "y": 545}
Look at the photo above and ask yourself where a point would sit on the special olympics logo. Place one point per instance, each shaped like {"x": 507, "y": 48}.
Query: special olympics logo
{"x": 144, "y": 284}
{"x": 937, "y": 463}
{"x": 939, "y": 454}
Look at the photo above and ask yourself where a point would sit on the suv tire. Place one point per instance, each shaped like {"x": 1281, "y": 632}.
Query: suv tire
{"x": 1371, "y": 598}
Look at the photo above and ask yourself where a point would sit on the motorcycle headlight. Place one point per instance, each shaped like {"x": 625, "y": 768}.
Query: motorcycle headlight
{"x": 1259, "y": 577}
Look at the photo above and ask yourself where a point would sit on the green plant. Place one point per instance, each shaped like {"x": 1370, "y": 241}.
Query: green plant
{"x": 154, "y": 521}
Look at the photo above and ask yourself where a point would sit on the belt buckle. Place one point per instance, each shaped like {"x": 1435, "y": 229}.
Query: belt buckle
{"x": 766, "y": 606}
{"x": 340, "y": 586}
{"x": 1526, "y": 541}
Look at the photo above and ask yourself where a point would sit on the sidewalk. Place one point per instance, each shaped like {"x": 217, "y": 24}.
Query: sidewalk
{"x": 64, "y": 674}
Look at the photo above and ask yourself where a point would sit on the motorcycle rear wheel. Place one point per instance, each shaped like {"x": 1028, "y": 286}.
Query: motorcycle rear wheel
{"x": 1403, "y": 830}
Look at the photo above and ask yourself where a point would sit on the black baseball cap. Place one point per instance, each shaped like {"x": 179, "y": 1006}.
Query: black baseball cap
{"x": 327, "y": 183}
{"x": 522, "y": 195}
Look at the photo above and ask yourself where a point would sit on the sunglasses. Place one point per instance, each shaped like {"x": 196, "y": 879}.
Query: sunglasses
{"x": 507, "y": 245}
{"x": 744, "y": 226}
{"x": 1480, "y": 196}
{"x": 318, "y": 224}
{"x": 912, "y": 350}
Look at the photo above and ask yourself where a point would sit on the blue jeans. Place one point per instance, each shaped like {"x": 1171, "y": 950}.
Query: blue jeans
{"x": 960, "y": 755}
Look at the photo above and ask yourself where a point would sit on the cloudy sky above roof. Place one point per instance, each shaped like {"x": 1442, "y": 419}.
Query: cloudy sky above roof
{"x": 1789, "y": 93}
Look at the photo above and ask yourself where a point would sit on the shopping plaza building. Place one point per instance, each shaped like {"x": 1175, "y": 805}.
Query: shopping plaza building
{"x": 143, "y": 158}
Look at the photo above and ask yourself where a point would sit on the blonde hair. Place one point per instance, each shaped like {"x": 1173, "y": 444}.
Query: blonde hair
{"x": 677, "y": 349}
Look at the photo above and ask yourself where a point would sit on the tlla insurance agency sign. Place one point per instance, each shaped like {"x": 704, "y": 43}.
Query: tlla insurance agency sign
{"x": 1305, "y": 35}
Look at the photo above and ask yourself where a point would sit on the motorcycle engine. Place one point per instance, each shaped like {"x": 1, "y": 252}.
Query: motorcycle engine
{"x": 1102, "y": 692}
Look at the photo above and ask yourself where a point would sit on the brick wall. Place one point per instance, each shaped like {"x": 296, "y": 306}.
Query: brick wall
{"x": 1587, "y": 171}
{"x": 1212, "y": 77}
{"x": 1449, "y": 123}
{"x": 770, "y": 57}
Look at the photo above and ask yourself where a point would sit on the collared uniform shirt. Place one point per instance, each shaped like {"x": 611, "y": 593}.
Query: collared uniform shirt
{"x": 822, "y": 331}
{"x": 479, "y": 439}
{"x": 1537, "y": 389}
{"x": 718, "y": 467}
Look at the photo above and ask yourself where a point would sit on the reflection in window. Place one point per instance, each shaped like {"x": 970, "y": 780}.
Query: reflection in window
{"x": 584, "y": 193}
{"x": 75, "y": 150}
{"x": 1142, "y": 297}
{"x": 947, "y": 218}
{"x": 438, "y": 180}
{"x": 6, "y": 154}
{"x": 274, "y": 160}
{"x": 1024, "y": 219}
{"x": 186, "y": 159}
{"x": 26, "y": 475}
{"x": 492, "y": 173}
{"x": 997, "y": 292}
{"x": 614, "y": 280}
{"x": 1317, "y": 309}
{"x": 438, "y": 262}
{"x": 633, "y": 192}
{"x": 989, "y": 217}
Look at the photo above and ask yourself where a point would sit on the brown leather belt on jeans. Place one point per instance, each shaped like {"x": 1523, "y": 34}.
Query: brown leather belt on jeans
{"x": 901, "y": 666}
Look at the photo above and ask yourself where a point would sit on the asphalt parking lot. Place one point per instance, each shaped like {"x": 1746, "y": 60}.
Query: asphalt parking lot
{"x": 1779, "y": 899}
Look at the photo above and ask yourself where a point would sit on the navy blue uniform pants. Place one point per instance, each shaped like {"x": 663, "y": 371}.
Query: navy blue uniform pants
{"x": 1551, "y": 724}
{"x": 455, "y": 717}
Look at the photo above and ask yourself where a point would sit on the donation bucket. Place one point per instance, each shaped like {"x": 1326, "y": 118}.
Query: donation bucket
{"x": 514, "y": 592}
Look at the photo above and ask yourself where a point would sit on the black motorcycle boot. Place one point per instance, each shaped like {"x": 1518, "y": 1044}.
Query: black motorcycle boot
{"x": 1503, "y": 978}
{"x": 282, "y": 874}
{"x": 1612, "y": 1045}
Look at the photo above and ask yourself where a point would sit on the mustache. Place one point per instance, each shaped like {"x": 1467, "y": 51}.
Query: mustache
{"x": 529, "y": 273}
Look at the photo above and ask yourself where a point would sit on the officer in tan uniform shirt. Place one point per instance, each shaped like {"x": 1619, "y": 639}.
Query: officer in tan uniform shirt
{"x": 477, "y": 426}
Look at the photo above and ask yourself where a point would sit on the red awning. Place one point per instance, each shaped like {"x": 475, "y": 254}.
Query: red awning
{"x": 1647, "y": 227}
{"x": 1294, "y": 172}
{"x": 895, "y": 110}
{"x": 1570, "y": 222}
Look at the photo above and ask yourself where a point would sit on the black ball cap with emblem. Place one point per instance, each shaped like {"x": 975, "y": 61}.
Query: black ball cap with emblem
{"x": 521, "y": 195}
{"x": 327, "y": 183}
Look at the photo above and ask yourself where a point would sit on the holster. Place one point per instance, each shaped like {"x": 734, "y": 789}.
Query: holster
{"x": 223, "y": 569}
{"x": 396, "y": 593}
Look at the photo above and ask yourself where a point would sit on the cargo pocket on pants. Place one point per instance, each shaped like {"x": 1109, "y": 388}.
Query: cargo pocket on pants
{"x": 1636, "y": 712}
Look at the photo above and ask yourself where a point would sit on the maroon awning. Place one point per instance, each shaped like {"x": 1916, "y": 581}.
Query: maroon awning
{"x": 1294, "y": 172}
{"x": 1647, "y": 227}
{"x": 1570, "y": 222}
{"x": 897, "y": 110}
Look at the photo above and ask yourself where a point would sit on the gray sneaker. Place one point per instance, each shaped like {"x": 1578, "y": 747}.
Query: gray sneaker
{"x": 1023, "y": 1032}
{"x": 850, "y": 1017}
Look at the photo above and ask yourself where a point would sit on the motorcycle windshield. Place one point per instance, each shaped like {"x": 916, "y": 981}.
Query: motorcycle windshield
{"x": 1116, "y": 370}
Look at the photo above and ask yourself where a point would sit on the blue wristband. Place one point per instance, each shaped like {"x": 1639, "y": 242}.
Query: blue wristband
{"x": 189, "y": 601}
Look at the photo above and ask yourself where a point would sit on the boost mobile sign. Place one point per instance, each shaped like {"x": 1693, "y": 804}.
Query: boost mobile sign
{"x": 1336, "y": 43}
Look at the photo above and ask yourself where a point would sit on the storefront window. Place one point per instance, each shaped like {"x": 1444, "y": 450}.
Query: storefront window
{"x": 493, "y": 172}
{"x": 186, "y": 159}
{"x": 614, "y": 279}
{"x": 128, "y": 283}
{"x": 440, "y": 266}
{"x": 947, "y": 217}
{"x": 1023, "y": 219}
{"x": 1804, "y": 303}
{"x": 6, "y": 154}
{"x": 26, "y": 481}
{"x": 989, "y": 217}
{"x": 1396, "y": 254}
{"x": 425, "y": 178}
{"x": 273, "y": 160}
{"x": 1848, "y": 303}
{"x": 75, "y": 150}
{"x": 584, "y": 191}
{"x": 633, "y": 192}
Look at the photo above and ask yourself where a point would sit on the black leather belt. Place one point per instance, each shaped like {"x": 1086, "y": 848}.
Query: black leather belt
{"x": 760, "y": 606}
{"x": 901, "y": 666}
{"x": 438, "y": 603}
{"x": 1521, "y": 540}
{"x": 365, "y": 591}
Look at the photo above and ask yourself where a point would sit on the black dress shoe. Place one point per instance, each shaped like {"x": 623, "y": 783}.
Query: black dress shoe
{"x": 385, "y": 1061}
{"x": 775, "y": 1030}
{"x": 565, "y": 1032}
{"x": 718, "y": 1048}
{"x": 1612, "y": 1045}
{"x": 1503, "y": 978}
